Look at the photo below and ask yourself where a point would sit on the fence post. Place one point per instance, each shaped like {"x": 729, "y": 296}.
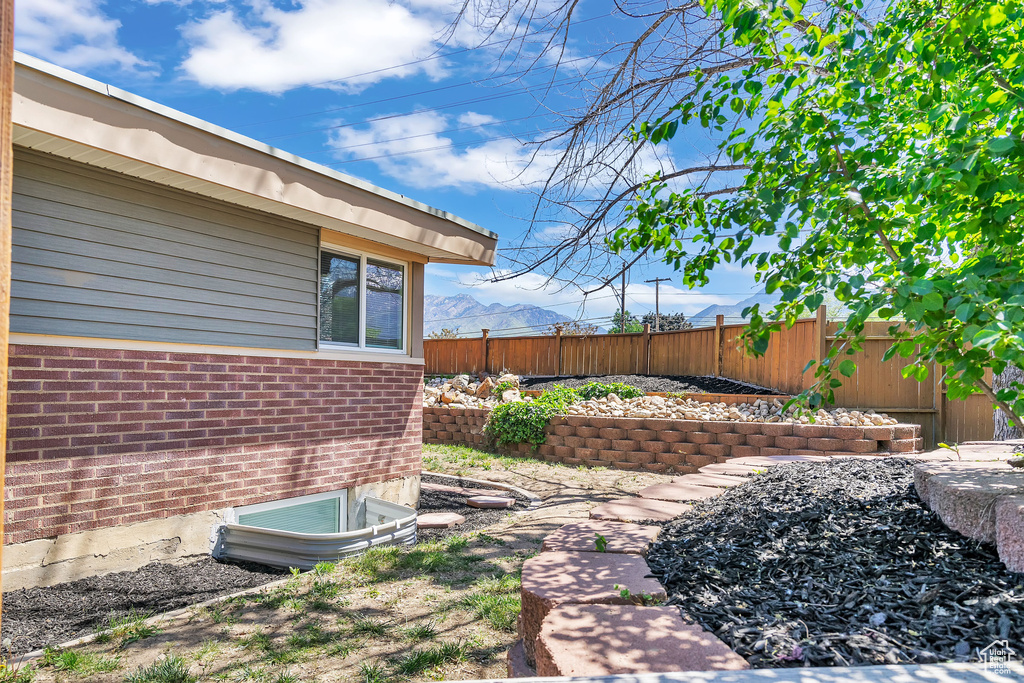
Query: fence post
{"x": 483, "y": 340}
{"x": 645, "y": 351}
{"x": 719, "y": 345}
{"x": 558, "y": 351}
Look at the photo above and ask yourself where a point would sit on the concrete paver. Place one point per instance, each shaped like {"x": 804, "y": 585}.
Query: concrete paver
{"x": 620, "y": 537}
{"x": 638, "y": 510}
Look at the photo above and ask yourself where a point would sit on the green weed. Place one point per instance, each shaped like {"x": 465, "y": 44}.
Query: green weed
{"x": 16, "y": 673}
{"x": 373, "y": 672}
{"x": 369, "y": 627}
{"x": 422, "y": 660}
{"x": 80, "y": 663}
{"x": 127, "y": 629}
{"x": 501, "y": 610}
{"x": 172, "y": 669}
{"x": 421, "y": 632}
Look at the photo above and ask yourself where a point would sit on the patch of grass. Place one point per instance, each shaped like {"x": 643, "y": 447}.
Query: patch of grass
{"x": 421, "y": 660}
{"x": 421, "y": 632}
{"x": 450, "y": 458}
{"x": 172, "y": 669}
{"x": 79, "y": 663}
{"x": 16, "y": 674}
{"x": 501, "y": 610}
{"x": 208, "y": 649}
{"x": 373, "y": 672}
{"x": 493, "y": 585}
{"x": 311, "y": 635}
{"x": 369, "y": 627}
{"x": 489, "y": 540}
{"x": 127, "y": 629}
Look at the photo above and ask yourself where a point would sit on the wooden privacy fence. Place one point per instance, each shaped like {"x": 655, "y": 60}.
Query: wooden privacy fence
{"x": 715, "y": 351}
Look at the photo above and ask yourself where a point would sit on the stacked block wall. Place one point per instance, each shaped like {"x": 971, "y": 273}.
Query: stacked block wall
{"x": 101, "y": 437}
{"x": 682, "y": 446}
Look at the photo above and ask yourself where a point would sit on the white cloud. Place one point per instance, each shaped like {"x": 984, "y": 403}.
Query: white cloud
{"x": 272, "y": 50}
{"x": 412, "y": 148}
{"x": 73, "y": 33}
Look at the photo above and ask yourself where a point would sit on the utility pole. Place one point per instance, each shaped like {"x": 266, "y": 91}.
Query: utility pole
{"x": 657, "y": 307}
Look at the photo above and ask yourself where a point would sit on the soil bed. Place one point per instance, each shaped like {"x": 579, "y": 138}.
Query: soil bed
{"x": 833, "y": 564}
{"x": 667, "y": 383}
{"x": 476, "y": 519}
{"x": 38, "y": 617}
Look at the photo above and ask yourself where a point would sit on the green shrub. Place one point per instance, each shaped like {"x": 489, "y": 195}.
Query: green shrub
{"x": 593, "y": 390}
{"x": 524, "y": 421}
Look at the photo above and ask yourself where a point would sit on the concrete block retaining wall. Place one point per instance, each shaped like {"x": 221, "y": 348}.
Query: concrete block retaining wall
{"x": 663, "y": 445}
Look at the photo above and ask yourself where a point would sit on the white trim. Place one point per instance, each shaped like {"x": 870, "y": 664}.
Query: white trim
{"x": 364, "y": 256}
{"x": 334, "y": 353}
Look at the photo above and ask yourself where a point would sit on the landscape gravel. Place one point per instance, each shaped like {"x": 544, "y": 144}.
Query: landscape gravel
{"x": 835, "y": 564}
{"x": 38, "y": 617}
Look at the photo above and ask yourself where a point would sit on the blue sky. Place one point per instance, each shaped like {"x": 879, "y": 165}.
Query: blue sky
{"x": 375, "y": 90}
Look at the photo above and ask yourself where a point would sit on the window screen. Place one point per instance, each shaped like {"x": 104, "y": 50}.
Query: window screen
{"x": 339, "y": 298}
{"x": 384, "y": 287}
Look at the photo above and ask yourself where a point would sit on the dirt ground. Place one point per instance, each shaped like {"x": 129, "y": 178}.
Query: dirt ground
{"x": 443, "y": 610}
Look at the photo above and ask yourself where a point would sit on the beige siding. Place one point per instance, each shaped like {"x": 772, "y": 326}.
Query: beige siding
{"x": 97, "y": 254}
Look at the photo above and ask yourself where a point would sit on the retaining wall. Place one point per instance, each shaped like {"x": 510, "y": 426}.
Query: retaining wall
{"x": 663, "y": 445}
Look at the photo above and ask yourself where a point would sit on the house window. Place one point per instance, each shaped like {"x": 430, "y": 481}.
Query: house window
{"x": 362, "y": 301}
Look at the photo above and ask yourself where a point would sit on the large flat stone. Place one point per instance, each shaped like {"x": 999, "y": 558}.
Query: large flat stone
{"x": 679, "y": 492}
{"x": 1010, "y": 531}
{"x": 602, "y": 640}
{"x": 638, "y": 510}
{"x": 461, "y": 490}
{"x": 490, "y": 502}
{"x": 562, "y": 578}
{"x": 439, "y": 520}
{"x": 621, "y": 537}
{"x": 730, "y": 469}
{"x": 924, "y": 472}
{"x": 762, "y": 461}
{"x": 964, "y": 496}
{"x": 717, "y": 480}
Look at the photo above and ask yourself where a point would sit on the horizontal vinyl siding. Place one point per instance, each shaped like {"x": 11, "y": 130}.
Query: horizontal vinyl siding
{"x": 101, "y": 255}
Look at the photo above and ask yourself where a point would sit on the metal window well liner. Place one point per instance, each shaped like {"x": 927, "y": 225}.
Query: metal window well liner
{"x": 385, "y": 523}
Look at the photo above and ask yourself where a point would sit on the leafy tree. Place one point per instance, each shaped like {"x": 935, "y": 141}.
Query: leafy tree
{"x": 886, "y": 164}
{"x": 625, "y": 324}
{"x": 444, "y": 333}
{"x": 572, "y": 328}
{"x": 669, "y": 321}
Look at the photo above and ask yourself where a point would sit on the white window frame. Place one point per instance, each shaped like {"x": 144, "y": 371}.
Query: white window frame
{"x": 363, "y": 258}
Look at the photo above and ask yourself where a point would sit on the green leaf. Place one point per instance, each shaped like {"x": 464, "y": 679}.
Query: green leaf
{"x": 847, "y": 368}
{"x": 933, "y": 302}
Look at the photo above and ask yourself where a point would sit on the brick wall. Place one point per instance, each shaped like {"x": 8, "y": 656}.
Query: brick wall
{"x": 682, "y": 446}
{"x": 102, "y": 437}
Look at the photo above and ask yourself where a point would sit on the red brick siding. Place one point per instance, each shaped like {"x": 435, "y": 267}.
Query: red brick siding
{"x": 100, "y": 437}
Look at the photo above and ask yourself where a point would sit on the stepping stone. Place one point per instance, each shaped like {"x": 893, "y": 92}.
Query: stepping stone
{"x": 629, "y": 539}
{"x": 717, "y": 480}
{"x": 439, "y": 520}
{"x": 679, "y": 492}
{"x": 964, "y": 495}
{"x": 517, "y": 664}
{"x": 560, "y": 578}
{"x": 638, "y": 510}
{"x": 603, "y": 640}
{"x": 490, "y": 502}
{"x": 459, "y": 490}
{"x": 731, "y": 469}
{"x": 762, "y": 461}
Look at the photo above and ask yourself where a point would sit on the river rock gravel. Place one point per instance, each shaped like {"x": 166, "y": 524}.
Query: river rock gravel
{"x": 835, "y": 564}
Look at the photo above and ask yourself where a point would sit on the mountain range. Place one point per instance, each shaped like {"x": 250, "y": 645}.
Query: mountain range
{"x": 468, "y": 316}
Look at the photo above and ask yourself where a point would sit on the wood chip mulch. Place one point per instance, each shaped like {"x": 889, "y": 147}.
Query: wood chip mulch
{"x": 836, "y": 564}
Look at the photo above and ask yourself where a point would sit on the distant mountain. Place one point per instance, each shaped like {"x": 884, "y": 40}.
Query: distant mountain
{"x": 470, "y": 316}
{"x": 734, "y": 313}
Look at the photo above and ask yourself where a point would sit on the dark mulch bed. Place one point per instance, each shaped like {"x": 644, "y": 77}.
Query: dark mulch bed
{"x": 673, "y": 383}
{"x": 435, "y": 501}
{"x": 838, "y": 563}
{"x": 37, "y": 617}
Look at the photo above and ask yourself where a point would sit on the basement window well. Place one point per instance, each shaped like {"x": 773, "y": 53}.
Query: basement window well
{"x": 299, "y": 532}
